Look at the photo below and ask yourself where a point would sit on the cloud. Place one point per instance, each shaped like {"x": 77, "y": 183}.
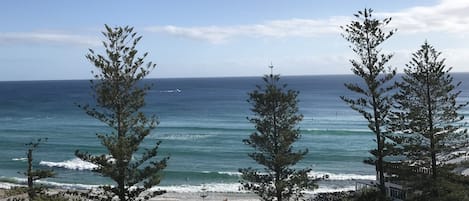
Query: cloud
{"x": 49, "y": 38}
{"x": 448, "y": 16}
{"x": 274, "y": 29}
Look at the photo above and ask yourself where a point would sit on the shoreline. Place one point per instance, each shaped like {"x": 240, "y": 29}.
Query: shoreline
{"x": 172, "y": 195}
{"x": 185, "y": 188}
{"x": 168, "y": 196}
{"x": 211, "y": 196}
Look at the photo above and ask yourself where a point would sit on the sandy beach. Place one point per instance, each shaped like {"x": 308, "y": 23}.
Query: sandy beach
{"x": 210, "y": 195}
{"x": 173, "y": 196}
{"x": 169, "y": 196}
{"x": 180, "y": 196}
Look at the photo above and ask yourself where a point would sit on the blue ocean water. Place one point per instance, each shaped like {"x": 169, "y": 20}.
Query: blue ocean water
{"x": 202, "y": 124}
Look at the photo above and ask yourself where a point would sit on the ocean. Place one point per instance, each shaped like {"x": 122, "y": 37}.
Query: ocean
{"x": 202, "y": 124}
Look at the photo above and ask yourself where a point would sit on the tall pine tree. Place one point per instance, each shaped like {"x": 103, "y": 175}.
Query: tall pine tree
{"x": 426, "y": 116}
{"x": 34, "y": 175}
{"x": 366, "y": 34}
{"x": 119, "y": 94}
{"x": 276, "y": 118}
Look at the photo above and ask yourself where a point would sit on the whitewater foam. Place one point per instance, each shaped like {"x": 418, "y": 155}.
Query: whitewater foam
{"x": 323, "y": 189}
{"x": 223, "y": 173}
{"x": 19, "y": 159}
{"x": 342, "y": 177}
{"x": 237, "y": 188}
{"x": 67, "y": 185}
{"x": 4, "y": 185}
{"x": 231, "y": 173}
{"x": 330, "y": 176}
{"x": 73, "y": 164}
{"x": 171, "y": 91}
{"x": 184, "y": 136}
{"x": 7, "y": 183}
{"x": 210, "y": 187}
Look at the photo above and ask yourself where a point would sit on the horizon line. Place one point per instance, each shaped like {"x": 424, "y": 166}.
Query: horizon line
{"x": 210, "y": 77}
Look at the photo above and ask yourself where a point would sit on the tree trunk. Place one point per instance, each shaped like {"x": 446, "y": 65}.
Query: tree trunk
{"x": 31, "y": 193}
{"x": 121, "y": 183}
{"x": 434, "y": 171}
{"x": 430, "y": 129}
{"x": 379, "y": 165}
{"x": 380, "y": 142}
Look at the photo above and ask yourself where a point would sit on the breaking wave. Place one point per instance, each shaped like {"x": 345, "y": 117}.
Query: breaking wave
{"x": 73, "y": 164}
{"x": 19, "y": 159}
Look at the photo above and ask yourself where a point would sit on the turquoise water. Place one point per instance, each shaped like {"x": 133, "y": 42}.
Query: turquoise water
{"x": 202, "y": 124}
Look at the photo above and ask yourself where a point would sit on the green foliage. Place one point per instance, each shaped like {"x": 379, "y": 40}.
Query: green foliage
{"x": 119, "y": 97}
{"x": 446, "y": 187}
{"x": 14, "y": 194}
{"x": 373, "y": 101}
{"x": 33, "y": 175}
{"x": 54, "y": 197}
{"x": 15, "y": 191}
{"x": 370, "y": 195}
{"x": 334, "y": 196}
{"x": 276, "y": 116}
{"x": 426, "y": 122}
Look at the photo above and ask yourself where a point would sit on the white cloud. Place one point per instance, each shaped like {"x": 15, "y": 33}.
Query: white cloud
{"x": 448, "y": 16}
{"x": 456, "y": 58}
{"x": 275, "y": 29}
{"x": 54, "y": 38}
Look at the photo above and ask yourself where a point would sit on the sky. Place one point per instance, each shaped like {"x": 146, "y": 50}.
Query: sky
{"x": 48, "y": 39}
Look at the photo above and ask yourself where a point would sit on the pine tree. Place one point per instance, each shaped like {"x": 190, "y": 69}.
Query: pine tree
{"x": 276, "y": 116}
{"x": 373, "y": 102}
{"x": 34, "y": 175}
{"x": 426, "y": 116}
{"x": 119, "y": 94}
